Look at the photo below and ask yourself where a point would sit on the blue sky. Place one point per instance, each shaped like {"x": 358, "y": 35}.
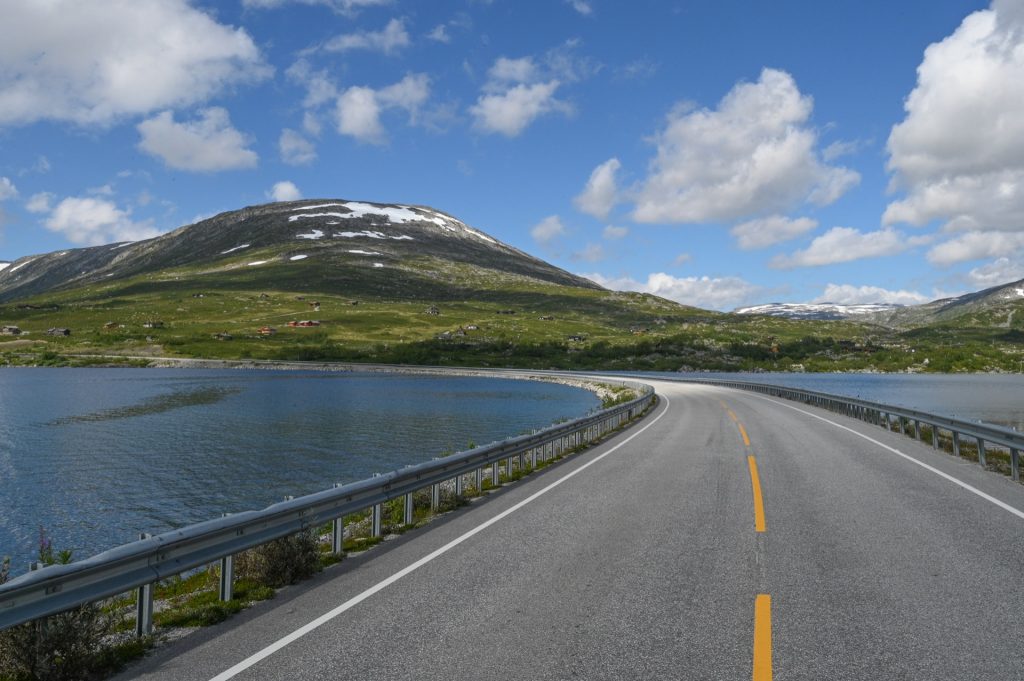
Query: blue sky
{"x": 715, "y": 152}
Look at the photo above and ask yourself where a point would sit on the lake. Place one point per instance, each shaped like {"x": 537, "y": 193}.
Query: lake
{"x": 993, "y": 398}
{"x": 97, "y": 455}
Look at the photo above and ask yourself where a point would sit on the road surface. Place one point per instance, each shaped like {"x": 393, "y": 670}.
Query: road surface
{"x": 727, "y": 536}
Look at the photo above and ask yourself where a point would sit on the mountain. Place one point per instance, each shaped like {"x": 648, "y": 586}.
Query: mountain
{"x": 818, "y": 311}
{"x": 994, "y": 307}
{"x": 339, "y": 242}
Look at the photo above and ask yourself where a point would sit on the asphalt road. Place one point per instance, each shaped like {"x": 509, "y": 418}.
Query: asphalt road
{"x": 647, "y": 563}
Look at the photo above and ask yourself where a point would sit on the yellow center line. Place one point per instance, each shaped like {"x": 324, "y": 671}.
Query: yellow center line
{"x": 755, "y": 483}
{"x": 763, "y": 638}
{"x": 743, "y": 432}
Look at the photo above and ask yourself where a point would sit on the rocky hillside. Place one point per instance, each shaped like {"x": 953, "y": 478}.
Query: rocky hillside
{"x": 331, "y": 245}
{"x": 997, "y": 307}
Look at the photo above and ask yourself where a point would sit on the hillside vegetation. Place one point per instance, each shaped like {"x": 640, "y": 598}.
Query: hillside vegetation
{"x": 412, "y": 285}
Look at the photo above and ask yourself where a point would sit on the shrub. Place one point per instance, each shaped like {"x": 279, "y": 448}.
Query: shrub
{"x": 282, "y": 561}
{"x": 66, "y": 646}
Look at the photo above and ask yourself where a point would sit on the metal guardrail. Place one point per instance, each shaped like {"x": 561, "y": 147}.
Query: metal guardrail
{"x": 141, "y": 564}
{"x": 884, "y": 415}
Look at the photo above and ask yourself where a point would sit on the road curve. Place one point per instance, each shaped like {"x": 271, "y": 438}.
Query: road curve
{"x": 643, "y": 559}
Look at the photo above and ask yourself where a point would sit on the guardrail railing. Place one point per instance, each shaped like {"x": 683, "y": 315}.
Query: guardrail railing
{"x": 887, "y": 416}
{"x": 142, "y": 564}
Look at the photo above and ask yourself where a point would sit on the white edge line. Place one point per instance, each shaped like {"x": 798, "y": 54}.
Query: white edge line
{"x": 947, "y": 476}
{"x": 356, "y": 600}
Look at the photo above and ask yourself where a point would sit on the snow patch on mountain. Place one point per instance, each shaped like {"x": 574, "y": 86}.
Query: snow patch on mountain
{"x": 298, "y": 257}
{"x": 236, "y": 248}
{"x": 4, "y": 266}
{"x": 315, "y": 234}
{"x": 397, "y": 214}
{"x": 372, "y": 235}
{"x": 823, "y": 311}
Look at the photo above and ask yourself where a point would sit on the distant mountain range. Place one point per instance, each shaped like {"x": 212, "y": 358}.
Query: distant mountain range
{"x": 993, "y": 307}
{"x": 822, "y": 311}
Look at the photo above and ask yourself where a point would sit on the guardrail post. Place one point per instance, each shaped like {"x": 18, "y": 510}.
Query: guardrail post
{"x": 1015, "y": 464}
{"x": 226, "y": 588}
{"x": 479, "y": 480}
{"x": 144, "y": 605}
{"x": 917, "y": 430}
{"x": 956, "y": 443}
{"x": 338, "y": 532}
{"x": 981, "y": 452}
{"x": 408, "y": 509}
{"x": 435, "y": 496}
{"x": 459, "y": 485}
{"x": 935, "y": 435}
{"x": 495, "y": 474}
{"x": 903, "y": 430}
{"x": 533, "y": 458}
{"x": 375, "y": 520}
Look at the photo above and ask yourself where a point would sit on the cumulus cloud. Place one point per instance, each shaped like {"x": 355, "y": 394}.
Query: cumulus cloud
{"x": 975, "y": 246}
{"x": 95, "y": 61}
{"x": 547, "y": 230}
{"x": 347, "y": 7}
{"x": 999, "y": 271}
{"x": 295, "y": 149}
{"x": 40, "y": 203}
{"x": 207, "y": 144}
{"x": 959, "y": 152}
{"x": 847, "y": 294}
{"x": 581, "y": 6}
{"x": 753, "y": 155}
{"x": 440, "y": 34}
{"x": 765, "y": 232}
{"x": 320, "y": 89}
{"x": 7, "y": 189}
{"x": 389, "y": 40}
{"x": 719, "y": 293}
{"x": 601, "y": 192}
{"x": 284, "y": 191}
{"x": 843, "y": 244}
{"x": 612, "y": 232}
{"x": 511, "y": 111}
{"x": 359, "y": 108}
{"x": 517, "y": 92}
{"x": 92, "y": 222}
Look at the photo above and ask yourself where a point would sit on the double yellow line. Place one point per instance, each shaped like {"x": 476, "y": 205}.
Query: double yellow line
{"x": 763, "y": 603}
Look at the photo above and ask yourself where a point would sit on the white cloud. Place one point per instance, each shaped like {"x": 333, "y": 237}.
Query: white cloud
{"x": 348, "y": 7}
{"x": 975, "y": 246}
{"x": 440, "y": 34}
{"x": 320, "y": 89}
{"x": 840, "y": 149}
{"x": 959, "y": 152}
{"x": 284, "y": 191}
{"x": 95, "y": 61}
{"x": 207, "y": 144}
{"x": 40, "y": 203}
{"x": 511, "y": 111}
{"x": 7, "y": 189}
{"x": 359, "y": 108}
{"x": 720, "y": 293}
{"x": 295, "y": 149}
{"x": 754, "y": 154}
{"x": 507, "y": 71}
{"x": 389, "y": 40}
{"x": 764, "y": 232}
{"x": 581, "y": 6}
{"x": 612, "y": 232}
{"x": 590, "y": 253}
{"x": 999, "y": 271}
{"x": 847, "y": 294}
{"x": 843, "y": 244}
{"x": 92, "y": 222}
{"x": 682, "y": 259}
{"x": 547, "y": 230}
{"x": 601, "y": 193}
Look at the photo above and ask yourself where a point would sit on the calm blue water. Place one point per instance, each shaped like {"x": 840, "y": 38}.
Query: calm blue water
{"x": 993, "y": 398}
{"x": 98, "y": 455}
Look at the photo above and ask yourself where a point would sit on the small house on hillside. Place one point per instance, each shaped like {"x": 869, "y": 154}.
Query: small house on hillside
{"x": 10, "y": 331}
{"x": 58, "y": 331}
{"x": 432, "y": 310}
{"x": 153, "y": 325}
{"x": 266, "y": 331}
{"x": 111, "y": 325}
{"x": 223, "y": 336}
